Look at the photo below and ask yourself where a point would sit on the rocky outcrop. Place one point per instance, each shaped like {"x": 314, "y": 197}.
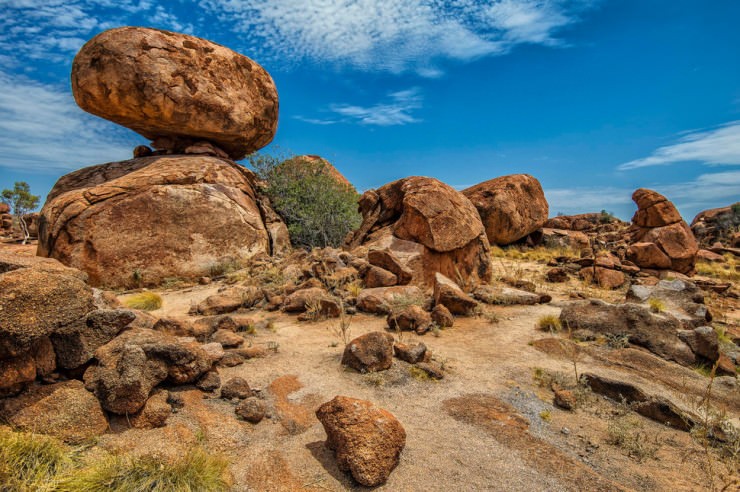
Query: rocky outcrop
{"x": 143, "y": 220}
{"x": 657, "y": 332}
{"x": 717, "y": 225}
{"x": 131, "y": 365}
{"x": 367, "y": 441}
{"x": 428, "y": 227}
{"x": 65, "y": 410}
{"x": 511, "y": 207}
{"x": 659, "y": 238}
{"x": 176, "y": 90}
{"x": 680, "y": 298}
{"x": 382, "y": 300}
{"x": 49, "y": 319}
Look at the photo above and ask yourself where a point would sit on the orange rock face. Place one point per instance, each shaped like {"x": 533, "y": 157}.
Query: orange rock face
{"x": 367, "y": 440}
{"x": 429, "y": 227}
{"x": 659, "y": 237}
{"x": 176, "y": 88}
{"x": 168, "y": 216}
{"x": 511, "y": 207}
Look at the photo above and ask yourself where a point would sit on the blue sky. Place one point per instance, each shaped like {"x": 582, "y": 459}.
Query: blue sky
{"x": 594, "y": 98}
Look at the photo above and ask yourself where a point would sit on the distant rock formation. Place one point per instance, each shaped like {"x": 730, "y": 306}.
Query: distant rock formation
{"x": 176, "y": 90}
{"x": 160, "y": 216}
{"x": 511, "y": 207}
{"x": 428, "y": 227}
{"x": 309, "y": 163}
{"x": 659, "y": 238}
{"x": 718, "y": 225}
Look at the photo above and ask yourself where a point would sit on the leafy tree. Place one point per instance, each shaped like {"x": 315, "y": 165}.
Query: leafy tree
{"x": 318, "y": 209}
{"x": 21, "y": 201}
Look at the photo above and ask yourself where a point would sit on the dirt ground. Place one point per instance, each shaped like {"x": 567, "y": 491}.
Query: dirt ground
{"x": 490, "y": 424}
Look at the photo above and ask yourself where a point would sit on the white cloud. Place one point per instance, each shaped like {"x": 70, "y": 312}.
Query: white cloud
{"x": 395, "y": 112}
{"x": 716, "y": 146}
{"x": 393, "y": 35}
{"x": 41, "y": 128}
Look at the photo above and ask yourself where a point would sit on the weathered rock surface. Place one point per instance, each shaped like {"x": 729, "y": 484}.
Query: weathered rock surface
{"x": 681, "y": 298}
{"x": 132, "y": 364}
{"x": 657, "y": 332}
{"x": 176, "y": 90}
{"x": 428, "y": 226}
{"x": 140, "y": 221}
{"x": 65, "y": 410}
{"x": 511, "y": 207}
{"x": 251, "y": 409}
{"x": 411, "y": 318}
{"x": 370, "y": 352}
{"x": 717, "y": 225}
{"x": 381, "y": 300}
{"x": 236, "y": 387}
{"x": 155, "y": 412}
{"x": 442, "y": 316}
{"x": 658, "y": 222}
{"x": 451, "y": 296}
{"x": 367, "y": 441}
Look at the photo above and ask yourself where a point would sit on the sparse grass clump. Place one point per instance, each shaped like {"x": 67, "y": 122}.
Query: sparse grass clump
{"x": 546, "y": 415}
{"x": 656, "y": 305}
{"x": 31, "y": 462}
{"x": 419, "y": 374}
{"x": 541, "y": 254}
{"x": 549, "y": 323}
{"x": 146, "y": 301}
{"x": 724, "y": 271}
{"x": 626, "y": 432}
{"x": 196, "y": 471}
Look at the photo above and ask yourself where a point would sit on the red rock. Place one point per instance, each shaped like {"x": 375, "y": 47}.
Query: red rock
{"x": 367, "y": 441}
{"x": 176, "y": 89}
{"x": 382, "y": 299}
{"x": 387, "y": 260}
{"x": 370, "y": 352}
{"x": 706, "y": 255}
{"x": 648, "y": 255}
{"x": 608, "y": 279}
{"x": 428, "y": 226}
{"x": 379, "y": 277}
{"x": 511, "y": 207}
{"x": 410, "y": 318}
{"x": 442, "y": 316}
{"x": 450, "y": 295}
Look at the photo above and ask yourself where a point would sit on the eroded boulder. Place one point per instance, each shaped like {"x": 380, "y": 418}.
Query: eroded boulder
{"x": 370, "y": 352}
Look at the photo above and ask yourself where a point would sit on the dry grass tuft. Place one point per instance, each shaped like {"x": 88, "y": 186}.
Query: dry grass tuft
{"x": 31, "y": 462}
{"x": 146, "y": 301}
{"x": 656, "y": 305}
{"x": 549, "y": 323}
{"x": 724, "y": 271}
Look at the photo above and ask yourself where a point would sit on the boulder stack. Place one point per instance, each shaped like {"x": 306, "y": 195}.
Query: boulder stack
{"x": 184, "y": 208}
{"x": 6, "y": 220}
{"x": 511, "y": 207}
{"x": 717, "y": 225}
{"x": 425, "y": 227}
{"x": 659, "y": 238}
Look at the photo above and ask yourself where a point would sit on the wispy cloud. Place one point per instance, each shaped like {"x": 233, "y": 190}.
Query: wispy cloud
{"x": 705, "y": 191}
{"x": 41, "y": 128}
{"x": 397, "y": 111}
{"x": 719, "y": 145}
{"x": 393, "y": 35}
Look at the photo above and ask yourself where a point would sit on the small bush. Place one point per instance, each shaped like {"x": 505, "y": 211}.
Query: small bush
{"x": 146, "y": 301}
{"x": 549, "y": 323}
{"x": 31, "y": 462}
{"x": 197, "y": 471}
{"x": 606, "y": 217}
{"x": 656, "y": 305}
{"x": 318, "y": 209}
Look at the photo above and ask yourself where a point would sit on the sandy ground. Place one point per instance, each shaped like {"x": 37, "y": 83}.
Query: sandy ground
{"x": 469, "y": 447}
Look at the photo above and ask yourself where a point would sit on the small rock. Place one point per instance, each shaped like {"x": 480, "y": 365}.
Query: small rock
{"x": 410, "y": 353}
{"x": 433, "y": 370}
{"x": 379, "y": 277}
{"x": 231, "y": 359}
{"x": 227, "y": 339}
{"x": 210, "y": 381}
{"x": 410, "y": 318}
{"x": 565, "y": 399}
{"x": 450, "y": 295}
{"x": 442, "y": 317}
{"x": 251, "y": 409}
{"x": 236, "y": 388}
{"x": 370, "y": 352}
{"x": 155, "y": 413}
{"x": 556, "y": 275}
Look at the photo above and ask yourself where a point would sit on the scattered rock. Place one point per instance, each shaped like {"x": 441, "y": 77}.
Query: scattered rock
{"x": 717, "y": 225}
{"x": 367, "y": 441}
{"x": 410, "y": 353}
{"x": 385, "y": 259}
{"x": 511, "y": 207}
{"x": 231, "y": 359}
{"x": 556, "y": 275}
{"x": 155, "y": 412}
{"x": 442, "y": 317}
{"x": 379, "y": 277}
{"x": 370, "y": 352}
{"x": 704, "y": 342}
{"x": 381, "y": 299}
{"x": 507, "y": 296}
{"x": 433, "y": 370}
{"x": 450, "y": 295}
{"x": 410, "y": 318}
{"x": 251, "y": 409}
{"x": 236, "y": 388}
{"x": 210, "y": 381}
{"x": 227, "y": 339}
{"x": 681, "y": 298}
{"x": 565, "y": 399}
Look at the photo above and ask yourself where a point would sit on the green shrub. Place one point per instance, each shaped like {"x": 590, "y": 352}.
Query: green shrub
{"x": 317, "y": 207}
{"x": 146, "y": 301}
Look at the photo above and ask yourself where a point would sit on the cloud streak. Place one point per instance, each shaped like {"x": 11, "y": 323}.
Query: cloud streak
{"x": 393, "y": 35}
{"x": 397, "y": 111}
{"x": 42, "y": 129}
{"x": 720, "y": 145}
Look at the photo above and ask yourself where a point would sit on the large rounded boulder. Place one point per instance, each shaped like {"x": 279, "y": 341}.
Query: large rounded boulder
{"x": 511, "y": 207}
{"x": 146, "y": 219}
{"x": 428, "y": 227}
{"x": 176, "y": 90}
